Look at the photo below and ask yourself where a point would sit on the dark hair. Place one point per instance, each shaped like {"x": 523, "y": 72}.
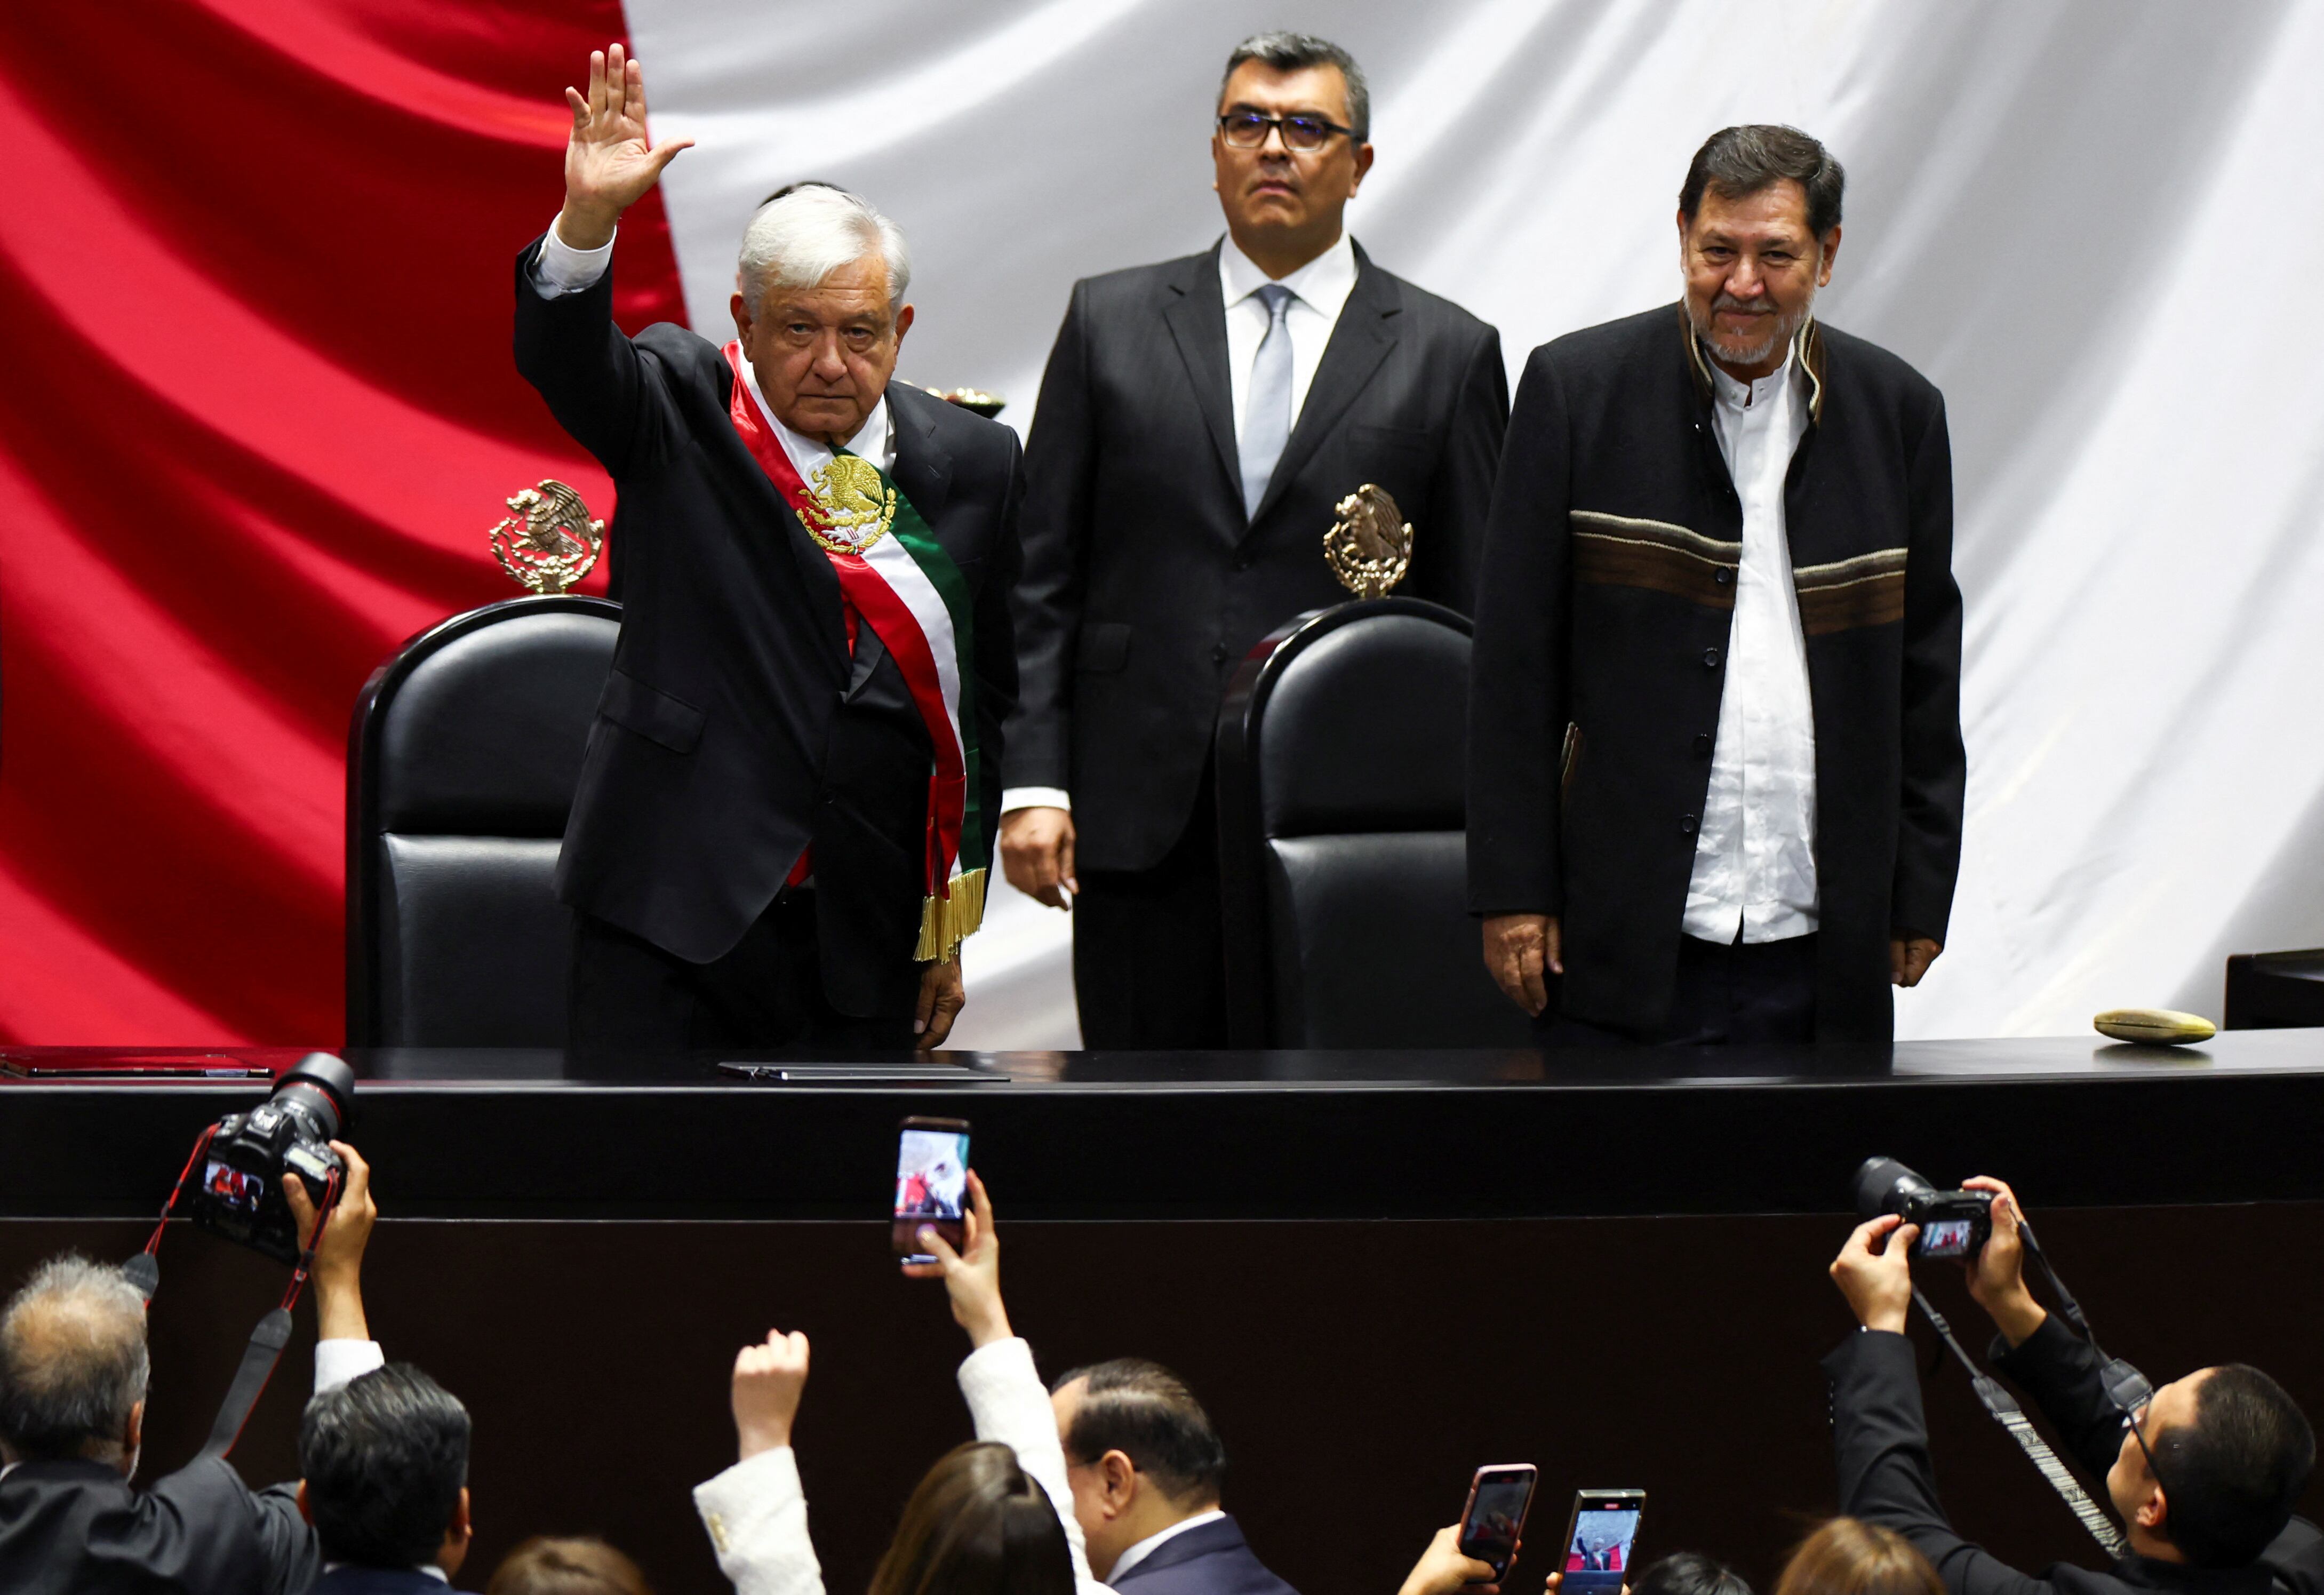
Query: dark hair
{"x": 1144, "y": 1411}
{"x": 73, "y": 1363}
{"x": 1847, "y": 1556}
{"x": 1688, "y": 1572}
{"x": 383, "y": 1457}
{"x": 977, "y": 1524}
{"x": 2231, "y": 1473}
{"x": 1735, "y": 162}
{"x": 1288, "y": 52}
{"x": 545, "y": 1566}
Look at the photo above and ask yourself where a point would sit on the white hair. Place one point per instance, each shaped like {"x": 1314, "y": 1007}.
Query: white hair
{"x": 798, "y": 239}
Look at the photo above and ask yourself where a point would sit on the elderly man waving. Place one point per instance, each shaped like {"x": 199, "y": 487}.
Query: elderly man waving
{"x": 784, "y": 815}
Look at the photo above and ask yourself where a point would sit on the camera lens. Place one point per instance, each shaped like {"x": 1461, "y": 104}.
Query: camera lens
{"x": 321, "y": 1089}
{"x": 1886, "y": 1186}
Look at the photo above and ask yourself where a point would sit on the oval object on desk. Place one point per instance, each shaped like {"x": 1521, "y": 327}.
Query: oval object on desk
{"x": 2157, "y": 1026}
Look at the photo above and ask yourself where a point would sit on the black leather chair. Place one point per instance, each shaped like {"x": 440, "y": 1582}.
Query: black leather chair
{"x": 461, "y": 763}
{"x": 1342, "y": 755}
{"x": 2275, "y": 990}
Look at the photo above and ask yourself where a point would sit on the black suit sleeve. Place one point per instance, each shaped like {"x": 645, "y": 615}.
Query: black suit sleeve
{"x": 1936, "y": 768}
{"x": 1517, "y": 675}
{"x": 996, "y": 643}
{"x": 1462, "y": 494}
{"x": 1880, "y": 1442}
{"x": 1060, "y": 469}
{"x": 597, "y": 382}
{"x": 2060, "y": 1371}
{"x": 214, "y": 1533}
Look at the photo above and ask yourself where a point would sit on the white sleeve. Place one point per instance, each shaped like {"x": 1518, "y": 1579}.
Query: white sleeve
{"x": 337, "y": 1361}
{"x": 756, "y": 1515}
{"x": 1037, "y": 798}
{"x": 561, "y": 268}
{"x": 1009, "y": 1403}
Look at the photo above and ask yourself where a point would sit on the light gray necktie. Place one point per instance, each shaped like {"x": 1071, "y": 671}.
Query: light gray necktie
{"x": 1267, "y": 409}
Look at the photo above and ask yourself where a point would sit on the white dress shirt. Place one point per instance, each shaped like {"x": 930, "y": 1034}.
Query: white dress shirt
{"x": 1154, "y": 1542}
{"x": 1755, "y": 852}
{"x": 1318, "y": 292}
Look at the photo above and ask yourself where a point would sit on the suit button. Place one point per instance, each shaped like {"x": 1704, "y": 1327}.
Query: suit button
{"x": 1711, "y": 659}
{"x": 1686, "y": 826}
{"x": 1219, "y": 654}
{"x": 1701, "y": 744}
{"x": 1725, "y": 578}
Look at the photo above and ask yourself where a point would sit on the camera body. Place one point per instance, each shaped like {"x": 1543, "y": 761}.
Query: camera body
{"x": 237, "y": 1191}
{"x": 1954, "y": 1223}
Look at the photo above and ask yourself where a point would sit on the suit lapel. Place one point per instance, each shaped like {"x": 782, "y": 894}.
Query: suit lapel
{"x": 923, "y": 466}
{"x": 1361, "y": 340}
{"x": 814, "y": 568}
{"x": 1197, "y": 317}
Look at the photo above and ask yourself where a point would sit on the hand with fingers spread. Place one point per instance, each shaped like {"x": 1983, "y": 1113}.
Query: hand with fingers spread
{"x": 609, "y": 159}
{"x": 1874, "y": 1270}
{"x": 769, "y": 1379}
{"x": 1443, "y": 1567}
{"x": 339, "y": 1249}
{"x": 1996, "y": 1273}
{"x": 972, "y": 1275}
{"x": 1521, "y": 951}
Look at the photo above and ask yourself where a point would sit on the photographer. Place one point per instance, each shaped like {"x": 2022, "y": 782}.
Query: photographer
{"x": 73, "y": 1370}
{"x": 2234, "y": 1448}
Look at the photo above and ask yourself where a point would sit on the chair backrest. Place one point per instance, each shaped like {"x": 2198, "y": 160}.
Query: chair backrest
{"x": 462, "y": 761}
{"x": 1341, "y": 757}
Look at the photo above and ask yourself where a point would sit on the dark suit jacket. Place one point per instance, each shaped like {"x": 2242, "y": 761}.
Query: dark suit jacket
{"x": 735, "y": 730}
{"x": 2060, "y": 1372}
{"x": 1212, "y": 1559}
{"x": 1145, "y": 581}
{"x": 378, "y": 1580}
{"x": 1882, "y": 1444}
{"x": 78, "y": 1528}
{"x": 1601, "y": 649}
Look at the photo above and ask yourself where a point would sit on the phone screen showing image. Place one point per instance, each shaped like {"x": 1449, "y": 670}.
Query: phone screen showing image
{"x": 1495, "y": 1520}
{"x": 931, "y": 1184}
{"x": 1597, "y": 1554}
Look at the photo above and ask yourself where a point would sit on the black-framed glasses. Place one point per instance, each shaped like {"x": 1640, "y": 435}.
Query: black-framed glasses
{"x": 2134, "y": 1405}
{"x": 1247, "y": 130}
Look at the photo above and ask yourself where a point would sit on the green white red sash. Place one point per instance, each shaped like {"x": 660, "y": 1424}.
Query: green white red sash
{"x": 908, "y": 591}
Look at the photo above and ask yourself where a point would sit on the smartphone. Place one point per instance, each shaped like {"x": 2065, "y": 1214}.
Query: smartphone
{"x": 931, "y": 1185}
{"x": 1494, "y": 1519}
{"x": 1597, "y": 1540}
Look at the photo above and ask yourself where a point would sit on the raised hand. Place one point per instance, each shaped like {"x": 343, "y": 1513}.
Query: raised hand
{"x": 972, "y": 1275}
{"x": 1875, "y": 1271}
{"x": 608, "y": 161}
{"x": 769, "y": 1379}
{"x": 1996, "y": 1275}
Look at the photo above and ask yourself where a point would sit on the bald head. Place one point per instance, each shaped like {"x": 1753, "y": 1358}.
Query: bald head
{"x": 72, "y": 1364}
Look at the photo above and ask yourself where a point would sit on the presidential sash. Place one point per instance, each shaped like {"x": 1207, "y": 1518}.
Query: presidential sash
{"x": 908, "y": 590}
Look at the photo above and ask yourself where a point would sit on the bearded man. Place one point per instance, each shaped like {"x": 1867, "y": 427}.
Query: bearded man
{"x": 1716, "y": 771}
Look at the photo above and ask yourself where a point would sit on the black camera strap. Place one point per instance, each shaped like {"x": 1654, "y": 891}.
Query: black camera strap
{"x": 2011, "y": 1416}
{"x": 267, "y": 1340}
{"x": 2126, "y": 1387}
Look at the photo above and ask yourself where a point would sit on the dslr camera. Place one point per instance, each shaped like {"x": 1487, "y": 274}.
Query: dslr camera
{"x": 1954, "y": 1223}
{"x": 239, "y": 1190}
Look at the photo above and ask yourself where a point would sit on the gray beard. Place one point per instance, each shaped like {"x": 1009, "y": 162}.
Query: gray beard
{"x": 1786, "y": 328}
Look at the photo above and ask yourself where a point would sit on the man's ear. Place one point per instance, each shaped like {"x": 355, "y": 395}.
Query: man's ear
{"x": 133, "y": 1434}
{"x": 740, "y": 307}
{"x": 1117, "y": 1481}
{"x": 903, "y": 322}
{"x": 305, "y": 1510}
{"x": 1363, "y": 166}
{"x": 460, "y": 1525}
{"x": 1830, "y": 249}
{"x": 2154, "y": 1512}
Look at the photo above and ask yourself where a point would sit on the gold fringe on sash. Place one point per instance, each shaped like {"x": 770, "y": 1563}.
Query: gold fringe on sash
{"x": 946, "y": 921}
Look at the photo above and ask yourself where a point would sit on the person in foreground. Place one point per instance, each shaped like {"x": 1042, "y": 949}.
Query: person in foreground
{"x": 784, "y": 815}
{"x": 543, "y": 1565}
{"x": 383, "y": 1465}
{"x": 73, "y": 1370}
{"x": 1146, "y": 1467}
{"x": 2202, "y": 1476}
{"x": 1200, "y": 422}
{"x": 982, "y": 1518}
{"x": 1715, "y": 763}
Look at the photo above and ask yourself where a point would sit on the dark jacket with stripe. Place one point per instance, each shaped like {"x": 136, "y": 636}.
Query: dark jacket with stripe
{"x": 1600, "y": 657}
{"x": 1146, "y": 582}
{"x": 736, "y": 728}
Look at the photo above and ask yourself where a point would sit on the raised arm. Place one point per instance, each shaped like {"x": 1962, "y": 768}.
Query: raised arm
{"x": 755, "y": 1512}
{"x": 566, "y": 343}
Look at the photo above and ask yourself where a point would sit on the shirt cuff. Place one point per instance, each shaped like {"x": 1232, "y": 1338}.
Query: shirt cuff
{"x": 561, "y": 268}
{"x": 1035, "y": 798}
{"x": 337, "y": 1361}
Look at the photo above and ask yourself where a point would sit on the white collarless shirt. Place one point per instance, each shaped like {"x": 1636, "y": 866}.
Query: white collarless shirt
{"x": 1754, "y": 871}
{"x": 1154, "y": 1542}
{"x": 1318, "y": 292}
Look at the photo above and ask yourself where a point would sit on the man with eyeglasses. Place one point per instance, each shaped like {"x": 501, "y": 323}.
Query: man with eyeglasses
{"x": 1199, "y": 422}
{"x": 2203, "y": 1472}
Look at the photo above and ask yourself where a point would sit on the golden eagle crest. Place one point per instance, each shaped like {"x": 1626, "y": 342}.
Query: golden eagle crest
{"x": 851, "y": 508}
{"x": 548, "y": 542}
{"x": 1369, "y": 547}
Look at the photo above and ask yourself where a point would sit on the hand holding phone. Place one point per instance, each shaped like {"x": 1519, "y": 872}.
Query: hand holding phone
{"x": 1493, "y": 1521}
{"x": 972, "y": 1275}
{"x": 1444, "y": 1569}
{"x": 1598, "y": 1539}
{"x": 931, "y": 1185}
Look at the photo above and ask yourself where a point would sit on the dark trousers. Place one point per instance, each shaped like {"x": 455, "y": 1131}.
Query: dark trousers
{"x": 1739, "y": 994}
{"x": 631, "y": 997}
{"x": 1149, "y": 950}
